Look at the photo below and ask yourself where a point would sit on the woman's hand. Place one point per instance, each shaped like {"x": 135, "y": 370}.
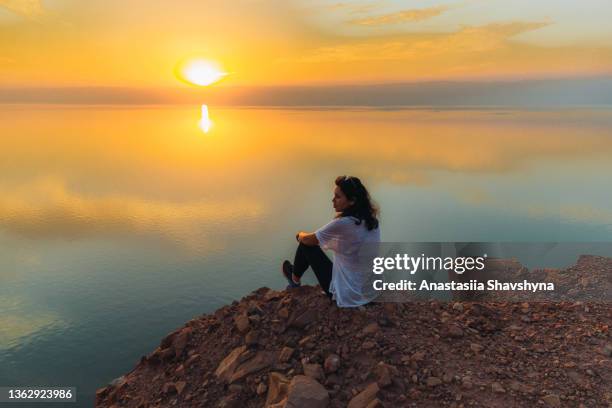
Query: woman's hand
{"x": 307, "y": 238}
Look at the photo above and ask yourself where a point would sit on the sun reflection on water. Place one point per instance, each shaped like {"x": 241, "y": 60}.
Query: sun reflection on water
{"x": 205, "y": 122}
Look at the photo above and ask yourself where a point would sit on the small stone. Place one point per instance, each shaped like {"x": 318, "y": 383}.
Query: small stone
{"x": 191, "y": 360}
{"x": 235, "y": 389}
{"x": 458, "y": 307}
{"x": 307, "y": 341}
{"x": 251, "y": 338}
{"x": 476, "y": 348}
{"x": 169, "y": 388}
{"x": 383, "y": 374}
{"x": 285, "y": 354}
{"x": 277, "y": 388}
{"x": 466, "y": 382}
{"x": 368, "y": 345}
{"x": 229, "y": 364}
{"x": 376, "y": 403}
{"x": 365, "y": 397}
{"x": 283, "y": 313}
{"x": 433, "y": 381}
{"x": 552, "y": 400}
{"x": 314, "y": 371}
{"x": 242, "y": 323}
{"x": 332, "y": 363}
{"x": 306, "y": 392}
{"x": 371, "y": 328}
{"x": 454, "y": 331}
{"x": 497, "y": 387}
{"x": 262, "y": 388}
{"x": 418, "y": 356}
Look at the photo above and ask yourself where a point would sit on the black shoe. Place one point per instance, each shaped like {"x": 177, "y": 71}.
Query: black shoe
{"x": 287, "y": 270}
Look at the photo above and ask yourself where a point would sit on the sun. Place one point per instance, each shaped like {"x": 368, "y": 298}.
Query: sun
{"x": 201, "y": 72}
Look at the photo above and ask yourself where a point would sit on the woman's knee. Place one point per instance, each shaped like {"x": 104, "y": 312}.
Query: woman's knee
{"x": 305, "y": 247}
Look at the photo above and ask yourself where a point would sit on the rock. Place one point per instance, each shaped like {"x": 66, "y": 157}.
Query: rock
{"x": 272, "y": 294}
{"x": 262, "y": 388}
{"x": 191, "y": 360}
{"x": 371, "y": 328}
{"x": 607, "y": 350}
{"x": 118, "y": 382}
{"x": 180, "y": 386}
{"x": 181, "y": 340}
{"x": 230, "y": 401}
{"x": 497, "y": 387}
{"x": 458, "y": 307}
{"x": 307, "y": 341}
{"x": 454, "y": 331}
{"x": 375, "y": 404}
{"x": 251, "y": 338}
{"x": 466, "y": 382}
{"x": 552, "y": 400}
{"x": 285, "y": 354}
{"x": 418, "y": 356}
{"x": 242, "y": 323}
{"x": 169, "y": 388}
{"x": 383, "y": 374}
{"x": 235, "y": 388}
{"x": 365, "y": 397}
{"x": 476, "y": 348}
{"x": 305, "y": 318}
{"x": 283, "y": 313}
{"x": 314, "y": 371}
{"x": 520, "y": 387}
{"x": 100, "y": 392}
{"x": 332, "y": 363}
{"x": 261, "y": 360}
{"x": 398, "y": 383}
{"x": 433, "y": 381}
{"x": 305, "y": 392}
{"x": 368, "y": 345}
{"x": 228, "y": 365}
{"x": 278, "y": 385}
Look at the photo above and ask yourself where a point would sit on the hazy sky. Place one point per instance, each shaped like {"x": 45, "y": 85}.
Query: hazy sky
{"x": 288, "y": 42}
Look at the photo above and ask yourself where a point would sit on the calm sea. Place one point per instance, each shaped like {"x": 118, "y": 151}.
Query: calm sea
{"x": 119, "y": 224}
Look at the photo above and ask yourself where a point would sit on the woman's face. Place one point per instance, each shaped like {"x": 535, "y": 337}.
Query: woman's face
{"x": 340, "y": 201}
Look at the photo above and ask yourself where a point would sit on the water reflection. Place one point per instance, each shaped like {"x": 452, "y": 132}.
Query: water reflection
{"x": 148, "y": 171}
{"x": 205, "y": 122}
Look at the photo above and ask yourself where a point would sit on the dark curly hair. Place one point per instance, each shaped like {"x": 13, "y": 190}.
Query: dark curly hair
{"x": 364, "y": 208}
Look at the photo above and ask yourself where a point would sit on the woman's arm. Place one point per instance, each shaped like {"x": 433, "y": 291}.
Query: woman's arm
{"x": 307, "y": 238}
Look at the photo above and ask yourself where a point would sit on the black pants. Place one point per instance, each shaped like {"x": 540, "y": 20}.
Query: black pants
{"x": 314, "y": 257}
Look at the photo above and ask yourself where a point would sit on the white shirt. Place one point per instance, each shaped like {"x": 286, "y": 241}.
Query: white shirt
{"x": 351, "y": 279}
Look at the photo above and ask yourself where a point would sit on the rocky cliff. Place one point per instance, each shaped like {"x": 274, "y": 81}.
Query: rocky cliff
{"x": 297, "y": 349}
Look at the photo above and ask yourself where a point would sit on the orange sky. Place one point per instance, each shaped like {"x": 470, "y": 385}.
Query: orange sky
{"x": 139, "y": 43}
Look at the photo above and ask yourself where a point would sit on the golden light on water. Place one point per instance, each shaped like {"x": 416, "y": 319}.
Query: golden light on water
{"x": 205, "y": 122}
{"x": 201, "y": 72}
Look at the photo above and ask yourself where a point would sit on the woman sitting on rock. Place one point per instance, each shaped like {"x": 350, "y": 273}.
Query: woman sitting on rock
{"x": 346, "y": 279}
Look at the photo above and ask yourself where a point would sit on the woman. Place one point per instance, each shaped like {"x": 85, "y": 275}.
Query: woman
{"x": 355, "y": 224}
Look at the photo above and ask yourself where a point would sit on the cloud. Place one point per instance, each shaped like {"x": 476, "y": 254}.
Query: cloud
{"x": 352, "y": 8}
{"x": 468, "y": 39}
{"x": 24, "y": 8}
{"x": 404, "y": 16}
